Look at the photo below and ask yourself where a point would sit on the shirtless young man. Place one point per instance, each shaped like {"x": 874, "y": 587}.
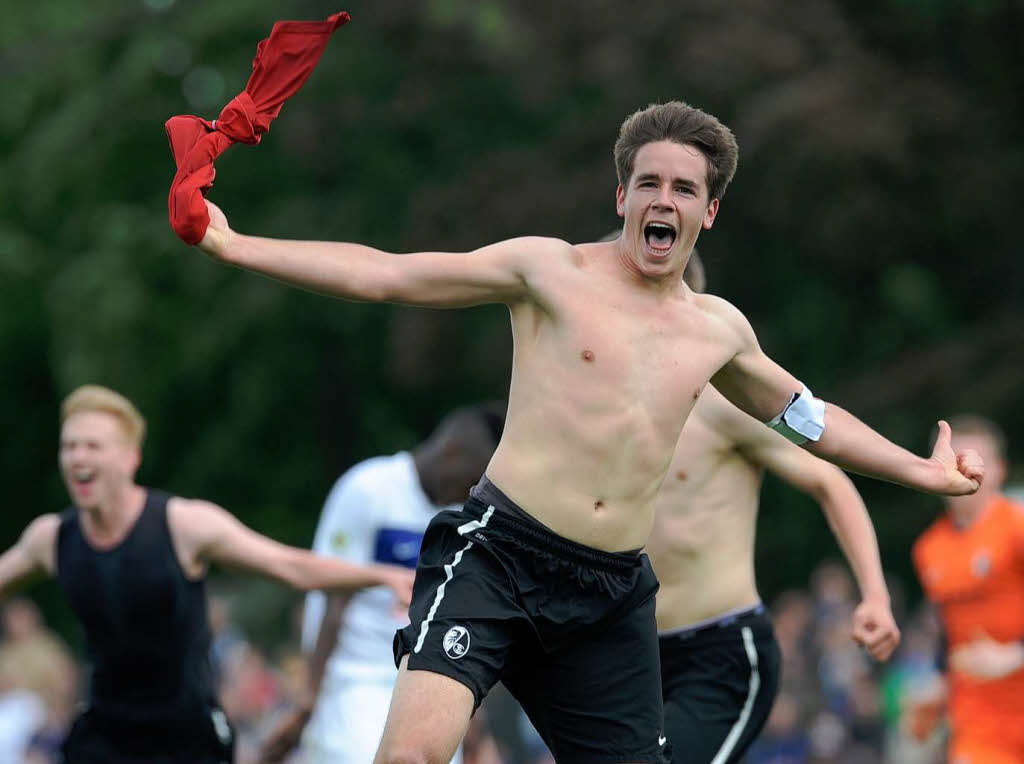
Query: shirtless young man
{"x": 131, "y": 562}
{"x": 538, "y": 581}
{"x": 719, "y": 658}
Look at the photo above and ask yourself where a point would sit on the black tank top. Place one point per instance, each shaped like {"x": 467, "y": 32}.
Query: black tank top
{"x": 145, "y": 623}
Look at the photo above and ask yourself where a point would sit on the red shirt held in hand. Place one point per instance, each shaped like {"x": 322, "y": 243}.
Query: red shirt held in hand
{"x": 282, "y": 65}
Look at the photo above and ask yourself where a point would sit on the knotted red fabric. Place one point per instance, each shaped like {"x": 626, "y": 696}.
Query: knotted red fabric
{"x": 282, "y": 65}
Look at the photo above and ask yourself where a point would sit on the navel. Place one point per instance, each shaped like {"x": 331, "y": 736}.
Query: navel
{"x": 697, "y": 392}
{"x": 598, "y": 505}
{"x": 587, "y": 354}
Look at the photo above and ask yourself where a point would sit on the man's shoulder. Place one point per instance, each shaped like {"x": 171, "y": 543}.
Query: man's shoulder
{"x": 41, "y": 533}
{"x": 541, "y": 248}
{"x": 724, "y": 323}
{"x": 363, "y": 491}
{"x": 194, "y": 519}
{"x": 543, "y": 244}
{"x": 1008, "y": 514}
{"x": 718, "y": 307}
{"x": 179, "y": 504}
{"x": 541, "y": 254}
{"x": 1011, "y": 506}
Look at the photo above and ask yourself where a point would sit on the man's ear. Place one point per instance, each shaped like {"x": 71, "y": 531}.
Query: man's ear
{"x": 709, "y": 215}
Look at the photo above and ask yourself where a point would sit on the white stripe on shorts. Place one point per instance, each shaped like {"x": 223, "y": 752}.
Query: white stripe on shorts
{"x": 449, "y": 571}
{"x": 755, "y": 684}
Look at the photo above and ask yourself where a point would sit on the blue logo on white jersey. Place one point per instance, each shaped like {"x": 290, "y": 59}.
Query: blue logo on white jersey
{"x": 397, "y": 546}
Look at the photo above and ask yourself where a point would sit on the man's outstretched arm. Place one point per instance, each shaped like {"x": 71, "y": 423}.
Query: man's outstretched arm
{"x": 763, "y": 389}
{"x": 211, "y": 534}
{"x": 873, "y": 624}
{"x": 495, "y": 273}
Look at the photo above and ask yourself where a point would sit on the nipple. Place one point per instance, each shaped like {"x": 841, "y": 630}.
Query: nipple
{"x": 587, "y": 355}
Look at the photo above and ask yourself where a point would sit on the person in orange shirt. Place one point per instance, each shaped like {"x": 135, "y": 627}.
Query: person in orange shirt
{"x": 971, "y": 566}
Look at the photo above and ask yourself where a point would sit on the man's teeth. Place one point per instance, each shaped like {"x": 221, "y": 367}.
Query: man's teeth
{"x": 83, "y": 475}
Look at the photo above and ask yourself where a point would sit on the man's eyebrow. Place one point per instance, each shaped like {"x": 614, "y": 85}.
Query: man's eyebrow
{"x": 688, "y": 182}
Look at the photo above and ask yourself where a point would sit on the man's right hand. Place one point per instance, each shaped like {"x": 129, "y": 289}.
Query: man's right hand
{"x": 285, "y": 737}
{"x": 218, "y": 234}
{"x": 400, "y": 581}
{"x": 874, "y": 628}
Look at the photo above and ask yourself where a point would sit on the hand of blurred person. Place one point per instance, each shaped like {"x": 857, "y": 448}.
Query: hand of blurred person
{"x": 961, "y": 473}
{"x": 985, "y": 658}
{"x": 874, "y": 628}
{"x": 284, "y": 737}
{"x": 218, "y": 233}
{"x": 924, "y": 709}
{"x": 399, "y": 580}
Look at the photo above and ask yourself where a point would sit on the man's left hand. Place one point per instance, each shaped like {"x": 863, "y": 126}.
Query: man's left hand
{"x": 874, "y": 628}
{"x": 985, "y": 658}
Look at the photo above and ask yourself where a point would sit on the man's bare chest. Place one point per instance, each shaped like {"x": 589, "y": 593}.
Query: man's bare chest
{"x": 638, "y": 349}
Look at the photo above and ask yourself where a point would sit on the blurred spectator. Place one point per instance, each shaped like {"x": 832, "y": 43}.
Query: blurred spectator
{"x": 479, "y": 746}
{"x": 784, "y": 739}
{"x": 226, "y": 642}
{"x": 22, "y": 713}
{"x": 38, "y": 681}
{"x": 250, "y": 692}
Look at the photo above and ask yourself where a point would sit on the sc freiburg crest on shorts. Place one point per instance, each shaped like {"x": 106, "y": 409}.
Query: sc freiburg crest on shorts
{"x": 456, "y": 642}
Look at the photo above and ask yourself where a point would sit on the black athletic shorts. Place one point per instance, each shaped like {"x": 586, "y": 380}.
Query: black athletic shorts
{"x": 208, "y": 739}
{"x": 719, "y": 682}
{"x": 570, "y": 630}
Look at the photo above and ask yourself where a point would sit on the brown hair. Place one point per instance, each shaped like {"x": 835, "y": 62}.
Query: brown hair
{"x": 683, "y": 124}
{"x": 105, "y": 400}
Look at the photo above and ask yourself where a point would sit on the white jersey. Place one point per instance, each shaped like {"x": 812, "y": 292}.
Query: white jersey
{"x": 376, "y": 512}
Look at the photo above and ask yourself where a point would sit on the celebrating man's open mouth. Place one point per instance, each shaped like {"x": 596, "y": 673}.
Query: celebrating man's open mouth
{"x": 659, "y": 237}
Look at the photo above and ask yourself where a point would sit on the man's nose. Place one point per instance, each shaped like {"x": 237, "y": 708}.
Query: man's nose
{"x": 664, "y": 198}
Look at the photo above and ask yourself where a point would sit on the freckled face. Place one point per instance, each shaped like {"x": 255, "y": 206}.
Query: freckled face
{"x": 664, "y": 205}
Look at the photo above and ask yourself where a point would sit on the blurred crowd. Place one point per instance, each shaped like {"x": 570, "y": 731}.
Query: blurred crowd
{"x": 835, "y": 705}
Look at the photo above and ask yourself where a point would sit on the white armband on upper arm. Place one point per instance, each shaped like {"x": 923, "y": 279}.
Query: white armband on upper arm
{"x": 802, "y": 420}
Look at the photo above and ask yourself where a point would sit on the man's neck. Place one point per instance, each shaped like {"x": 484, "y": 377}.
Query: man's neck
{"x": 421, "y": 460}
{"x": 629, "y": 273}
{"x": 964, "y": 512}
{"x": 111, "y": 518}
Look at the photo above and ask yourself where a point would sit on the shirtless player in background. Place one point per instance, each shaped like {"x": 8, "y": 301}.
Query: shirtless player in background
{"x": 719, "y": 659}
